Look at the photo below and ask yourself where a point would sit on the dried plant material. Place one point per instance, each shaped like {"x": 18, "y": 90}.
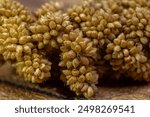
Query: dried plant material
{"x": 49, "y": 7}
{"x": 47, "y": 30}
{"x": 11, "y": 8}
{"x": 18, "y": 48}
{"x": 84, "y": 42}
{"x": 77, "y": 62}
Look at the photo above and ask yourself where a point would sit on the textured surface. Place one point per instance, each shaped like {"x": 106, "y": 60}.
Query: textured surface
{"x": 10, "y": 92}
{"x": 10, "y": 89}
{"x": 123, "y": 89}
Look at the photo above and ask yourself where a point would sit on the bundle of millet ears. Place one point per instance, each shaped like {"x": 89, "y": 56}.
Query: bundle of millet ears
{"x": 84, "y": 42}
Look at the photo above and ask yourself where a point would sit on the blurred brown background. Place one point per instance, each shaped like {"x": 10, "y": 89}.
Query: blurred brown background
{"x": 12, "y": 87}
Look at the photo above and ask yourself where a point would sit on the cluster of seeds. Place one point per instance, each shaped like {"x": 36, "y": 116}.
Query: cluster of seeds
{"x": 11, "y": 8}
{"x": 84, "y": 42}
{"x": 47, "y": 30}
{"x": 128, "y": 52}
{"x": 78, "y": 55}
{"x": 47, "y": 7}
{"x": 17, "y": 45}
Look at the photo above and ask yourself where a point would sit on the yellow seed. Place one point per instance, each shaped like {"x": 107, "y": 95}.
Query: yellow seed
{"x": 27, "y": 57}
{"x": 107, "y": 31}
{"x": 37, "y": 72}
{"x": 28, "y": 62}
{"x": 123, "y": 44}
{"x": 90, "y": 92}
{"x": 82, "y": 70}
{"x": 141, "y": 26}
{"x": 139, "y": 46}
{"x": 53, "y": 44}
{"x": 117, "y": 41}
{"x": 69, "y": 64}
{"x": 93, "y": 53}
{"x": 110, "y": 46}
{"x": 37, "y": 37}
{"x": 133, "y": 34}
{"x": 66, "y": 72}
{"x": 100, "y": 35}
{"x": 79, "y": 39}
{"x": 59, "y": 40}
{"x": 24, "y": 39}
{"x": 94, "y": 34}
{"x": 143, "y": 59}
{"x": 13, "y": 40}
{"x": 65, "y": 56}
{"x": 42, "y": 76}
{"x": 148, "y": 28}
{"x": 84, "y": 60}
{"x": 127, "y": 59}
{"x": 143, "y": 21}
{"x": 121, "y": 36}
{"x": 77, "y": 49}
{"x": 13, "y": 32}
{"x": 75, "y": 62}
{"x": 35, "y": 65}
{"x": 27, "y": 49}
{"x": 4, "y": 35}
{"x": 46, "y": 36}
{"x": 75, "y": 72}
{"x": 125, "y": 52}
{"x": 58, "y": 20}
{"x": 67, "y": 43}
{"x": 110, "y": 25}
{"x": 82, "y": 44}
{"x": 133, "y": 50}
{"x": 78, "y": 19}
{"x": 81, "y": 78}
{"x": 65, "y": 23}
{"x": 117, "y": 48}
{"x": 42, "y": 66}
{"x": 13, "y": 56}
{"x": 117, "y": 24}
{"x": 89, "y": 76}
{"x": 72, "y": 80}
{"x": 130, "y": 44}
{"x": 94, "y": 21}
{"x": 139, "y": 33}
{"x": 144, "y": 40}
{"x": 69, "y": 27}
{"x": 30, "y": 70}
{"x": 53, "y": 32}
{"x": 100, "y": 27}
{"x": 42, "y": 28}
{"x": 143, "y": 68}
{"x": 84, "y": 88}
{"x": 33, "y": 79}
{"x": 89, "y": 47}
{"x": 135, "y": 20}
{"x": 52, "y": 25}
{"x": 83, "y": 17}
{"x": 11, "y": 47}
{"x": 71, "y": 54}
{"x": 19, "y": 49}
{"x": 40, "y": 45}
